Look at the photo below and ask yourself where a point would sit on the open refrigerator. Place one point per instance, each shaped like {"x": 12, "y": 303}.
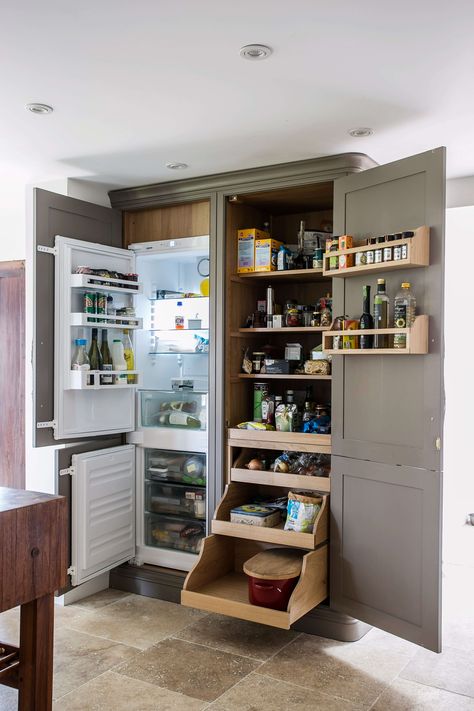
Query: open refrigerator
{"x": 145, "y": 500}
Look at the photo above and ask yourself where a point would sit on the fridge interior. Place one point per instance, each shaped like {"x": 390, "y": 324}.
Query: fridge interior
{"x": 172, "y": 400}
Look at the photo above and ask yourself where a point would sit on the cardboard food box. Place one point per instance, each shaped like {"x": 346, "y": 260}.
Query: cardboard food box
{"x": 256, "y": 515}
{"x": 246, "y": 248}
{"x": 266, "y": 254}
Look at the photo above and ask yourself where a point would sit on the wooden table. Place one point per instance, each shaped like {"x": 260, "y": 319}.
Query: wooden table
{"x": 33, "y": 565}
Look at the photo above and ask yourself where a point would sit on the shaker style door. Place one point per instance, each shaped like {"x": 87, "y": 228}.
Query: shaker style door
{"x": 386, "y": 480}
{"x": 53, "y": 215}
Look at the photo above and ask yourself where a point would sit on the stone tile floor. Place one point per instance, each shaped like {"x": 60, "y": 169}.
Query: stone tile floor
{"x": 115, "y": 651}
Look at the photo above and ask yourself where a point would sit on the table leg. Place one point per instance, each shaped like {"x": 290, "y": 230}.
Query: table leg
{"x": 35, "y": 690}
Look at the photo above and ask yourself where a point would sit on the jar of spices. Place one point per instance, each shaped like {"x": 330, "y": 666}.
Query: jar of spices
{"x": 371, "y": 252}
{"x": 257, "y": 361}
{"x": 293, "y": 317}
{"x": 307, "y": 315}
{"x": 316, "y": 319}
{"x": 378, "y": 253}
{"x": 388, "y": 249}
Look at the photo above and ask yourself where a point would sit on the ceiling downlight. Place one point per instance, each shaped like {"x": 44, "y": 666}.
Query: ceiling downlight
{"x": 361, "y": 132}
{"x": 255, "y": 52}
{"x": 39, "y": 109}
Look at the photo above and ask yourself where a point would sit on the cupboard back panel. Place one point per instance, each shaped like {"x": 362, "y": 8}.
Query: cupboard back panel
{"x": 170, "y": 222}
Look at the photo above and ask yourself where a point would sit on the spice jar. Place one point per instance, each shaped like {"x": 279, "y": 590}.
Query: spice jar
{"x": 307, "y": 315}
{"x": 378, "y": 253}
{"x": 316, "y": 319}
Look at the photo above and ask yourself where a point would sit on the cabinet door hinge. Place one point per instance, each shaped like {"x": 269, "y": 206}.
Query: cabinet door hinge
{"x": 438, "y": 443}
{"x": 67, "y": 472}
{"x": 47, "y": 250}
{"x": 71, "y": 570}
{"x": 45, "y": 425}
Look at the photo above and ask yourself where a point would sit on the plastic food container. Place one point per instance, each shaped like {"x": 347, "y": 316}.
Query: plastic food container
{"x": 272, "y": 576}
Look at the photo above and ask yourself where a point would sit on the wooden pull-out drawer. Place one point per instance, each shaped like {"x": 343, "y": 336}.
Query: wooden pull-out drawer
{"x": 237, "y": 494}
{"x": 217, "y": 582}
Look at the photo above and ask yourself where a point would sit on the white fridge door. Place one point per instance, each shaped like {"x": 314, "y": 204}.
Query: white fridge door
{"x": 83, "y": 407}
{"x": 103, "y": 511}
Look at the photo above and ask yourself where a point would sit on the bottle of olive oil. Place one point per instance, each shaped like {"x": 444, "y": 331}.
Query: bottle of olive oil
{"x": 366, "y": 320}
{"x": 381, "y": 314}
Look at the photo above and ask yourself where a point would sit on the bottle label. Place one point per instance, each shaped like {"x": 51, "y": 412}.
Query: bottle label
{"x": 107, "y": 379}
{"x": 178, "y": 418}
{"x": 400, "y": 315}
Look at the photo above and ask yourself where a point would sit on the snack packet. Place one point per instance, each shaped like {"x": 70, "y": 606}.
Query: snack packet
{"x": 302, "y": 512}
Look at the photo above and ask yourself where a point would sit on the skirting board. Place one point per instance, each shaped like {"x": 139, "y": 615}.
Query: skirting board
{"x": 166, "y": 584}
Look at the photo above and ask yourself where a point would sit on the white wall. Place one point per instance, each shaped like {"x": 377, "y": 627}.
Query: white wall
{"x": 459, "y": 386}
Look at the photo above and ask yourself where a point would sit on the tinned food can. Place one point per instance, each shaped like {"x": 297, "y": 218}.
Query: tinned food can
{"x": 260, "y": 392}
{"x": 89, "y": 304}
{"x": 101, "y": 306}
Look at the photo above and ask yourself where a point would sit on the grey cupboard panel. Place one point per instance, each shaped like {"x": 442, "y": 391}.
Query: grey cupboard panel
{"x": 53, "y": 215}
{"x": 390, "y": 408}
{"x": 386, "y": 547}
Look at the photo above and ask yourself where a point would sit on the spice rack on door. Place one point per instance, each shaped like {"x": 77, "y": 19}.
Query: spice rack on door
{"x": 416, "y": 340}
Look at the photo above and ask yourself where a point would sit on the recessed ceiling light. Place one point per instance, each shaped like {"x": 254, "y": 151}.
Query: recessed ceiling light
{"x": 39, "y": 108}
{"x": 176, "y": 166}
{"x": 255, "y": 51}
{"x": 360, "y": 132}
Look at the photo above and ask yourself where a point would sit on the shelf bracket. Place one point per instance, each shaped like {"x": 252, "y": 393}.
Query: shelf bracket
{"x": 71, "y": 570}
{"x": 47, "y": 250}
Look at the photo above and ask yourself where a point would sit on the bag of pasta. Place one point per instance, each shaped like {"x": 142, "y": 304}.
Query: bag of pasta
{"x": 302, "y": 512}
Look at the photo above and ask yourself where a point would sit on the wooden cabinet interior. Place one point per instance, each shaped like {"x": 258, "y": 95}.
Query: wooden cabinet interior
{"x": 190, "y": 219}
{"x": 283, "y": 209}
{"x": 217, "y": 582}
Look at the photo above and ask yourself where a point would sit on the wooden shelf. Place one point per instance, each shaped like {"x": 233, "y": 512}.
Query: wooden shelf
{"x": 285, "y": 329}
{"x": 288, "y": 481}
{"x": 283, "y": 376}
{"x": 299, "y": 275}
{"x": 272, "y": 439}
{"x": 237, "y": 494}
{"x": 218, "y": 584}
{"x": 418, "y": 255}
{"x": 416, "y": 341}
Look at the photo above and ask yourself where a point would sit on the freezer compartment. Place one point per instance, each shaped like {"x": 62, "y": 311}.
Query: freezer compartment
{"x": 175, "y": 499}
{"x": 182, "y": 468}
{"x": 174, "y": 533}
{"x": 173, "y": 409}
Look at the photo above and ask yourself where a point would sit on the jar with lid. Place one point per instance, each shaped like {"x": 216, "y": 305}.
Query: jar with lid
{"x": 307, "y": 315}
{"x": 257, "y": 361}
{"x": 326, "y": 314}
{"x": 292, "y": 315}
{"x": 378, "y": 252}
{"x": 316, "y": 319}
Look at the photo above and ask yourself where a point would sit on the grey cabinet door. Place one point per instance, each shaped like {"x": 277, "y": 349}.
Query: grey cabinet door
{"x": 53, "y": 215}
{"x": 390, "y": 408}
{"x": 388, "y": 419}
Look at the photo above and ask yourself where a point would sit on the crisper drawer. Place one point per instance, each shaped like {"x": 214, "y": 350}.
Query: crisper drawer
{"x": 180, "y": 467}
{"x": 173, "y": 409}
{"x": 175, "y": 499}
{"x": 217, "y": 582}
{"x": 174, "y": 533}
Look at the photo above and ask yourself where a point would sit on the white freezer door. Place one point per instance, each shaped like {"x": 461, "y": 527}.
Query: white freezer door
{"x": 103, "y": 511}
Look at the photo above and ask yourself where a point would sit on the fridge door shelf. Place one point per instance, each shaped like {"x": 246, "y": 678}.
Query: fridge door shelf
{"x": 90, "y": 379}
{"x": 174, "y": 533}
{"x": 175, "y": 500}
{"x": 91, "y": 282}
{"x": 104, "y": 321}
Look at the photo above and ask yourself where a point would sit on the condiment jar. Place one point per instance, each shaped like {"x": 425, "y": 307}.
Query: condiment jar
{"x": 257, "y": 361}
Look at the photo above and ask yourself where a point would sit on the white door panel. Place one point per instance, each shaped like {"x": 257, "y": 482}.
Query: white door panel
{"x": 103, "y": 511}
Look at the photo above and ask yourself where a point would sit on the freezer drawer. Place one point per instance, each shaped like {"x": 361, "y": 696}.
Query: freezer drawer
{"x": 174, "y": 533}
{"x": 175, "y": 499}
{"x": 173, "y": 409}
{"x": 180, "y": 467}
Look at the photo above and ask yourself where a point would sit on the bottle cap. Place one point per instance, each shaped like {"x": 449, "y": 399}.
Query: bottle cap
{"x": 406, "y": 285}
{"x": 380, "y": 281}
{"x": 180, "y": 303}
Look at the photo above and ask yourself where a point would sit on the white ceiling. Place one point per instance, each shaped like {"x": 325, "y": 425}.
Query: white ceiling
{"x": 137, "y": 84}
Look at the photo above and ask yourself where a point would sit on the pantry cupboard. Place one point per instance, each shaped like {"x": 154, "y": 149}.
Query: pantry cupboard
{"x": 375, "y": 551}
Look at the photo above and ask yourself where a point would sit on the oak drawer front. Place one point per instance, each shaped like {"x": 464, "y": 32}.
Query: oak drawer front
{"x": 218, "y": 584}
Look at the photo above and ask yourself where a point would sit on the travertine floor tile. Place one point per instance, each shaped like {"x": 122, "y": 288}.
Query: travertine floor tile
{"x": 100, "y": 599}
{"x": 120, "y": 693}
{"x": 190, "y": 669}
{"x": 137, "y": 621}
{"x": 405, "y": 695}
{"x": 237, "y": 636}
{"x": 260, "y": 693}
{"x": 357, "y": 672}
{"x": 79, "y": 657}
{"x": 452, "y": 670}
